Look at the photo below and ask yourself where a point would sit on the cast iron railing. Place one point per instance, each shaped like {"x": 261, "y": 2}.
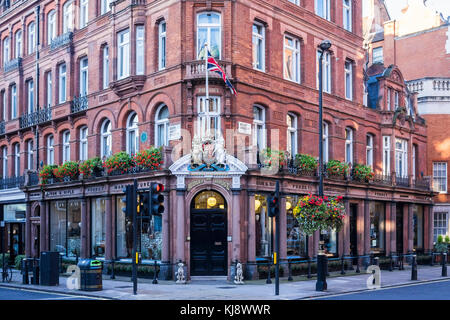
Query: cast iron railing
{"x": 2, "y": 127}
{"x": 34, "y": 118}
{"x": 62, "y": 40}
{"x": 79, "y": 104}
{"x": 12, "y": 182}
{"x": 12, "y": 65}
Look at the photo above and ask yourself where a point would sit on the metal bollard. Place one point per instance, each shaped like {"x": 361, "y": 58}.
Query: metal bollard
{"x": 309, "y": 268}
{"x": 444, "y": 265}
{"x": 290, "y": 271}
{"x": 401, "y": 263}
{"x": 25, "y": 271}
{"x": 432, "y": 258}
{"x": 268, "y": 281}
{"x": 113, "y": 275}
{"x": 357, "y": 264}
{"x": 342, "y": 265}
{"x": 414, "y": 268}
{"x": 155, "y": 280}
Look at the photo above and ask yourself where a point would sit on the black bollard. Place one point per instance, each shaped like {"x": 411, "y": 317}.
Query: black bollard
{"x": 342, "y": 265}
{"x": 268, "y": 281}
{"x": 322, "y": 266}
{"x": 432, "y": 257}
{"x": 309, "y": 268}
{"x": 113, "y": 275}
{"x": 155, "y": 280}
{"x": 290, "y": 271}
{"x": 444, "y": 265}
{"x": 401, "y": 263}
{"x": 357, "y": 264}
{"x": 414, "y": 268}
{"x": 25, "y": 271}
{"x": 391, "y": 263}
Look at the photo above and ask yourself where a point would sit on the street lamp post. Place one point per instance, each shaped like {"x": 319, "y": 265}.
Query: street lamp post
{"x": 322, "y": 262}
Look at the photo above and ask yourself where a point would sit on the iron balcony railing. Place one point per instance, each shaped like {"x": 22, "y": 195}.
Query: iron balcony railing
{"x": 423, "y": 183}
{"x": 79, "y": 104}
{"x": 12, "y": 65}
{"x": 402, "y": 181}
{"x": 62, "y": 40}
{"x": 2, "y": 127}
{"x": 12, "y": 182}
{"x": 34, "y": 118}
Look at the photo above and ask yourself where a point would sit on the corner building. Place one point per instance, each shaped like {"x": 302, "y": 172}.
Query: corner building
{"x": 93, "y": 78}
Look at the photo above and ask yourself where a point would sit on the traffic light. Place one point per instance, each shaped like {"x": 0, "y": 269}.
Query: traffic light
{"x": 156, "y": 199}
{"x": 273, "y": 202}
{"x": 144, "y": 205}
{"x": 128, "y": 200}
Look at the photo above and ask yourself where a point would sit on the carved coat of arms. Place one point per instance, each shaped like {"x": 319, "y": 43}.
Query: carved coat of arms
{"x": 208, "y": 154}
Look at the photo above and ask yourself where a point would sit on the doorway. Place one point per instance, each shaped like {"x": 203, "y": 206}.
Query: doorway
{"x": 353, "y": 230}
{"x": 399, "y": 227}
{"x": 208, "y": 234}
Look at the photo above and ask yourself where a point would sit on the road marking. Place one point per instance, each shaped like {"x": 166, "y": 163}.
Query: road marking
{"x": 374, "y": 290}
{"x": 67, "y": 295}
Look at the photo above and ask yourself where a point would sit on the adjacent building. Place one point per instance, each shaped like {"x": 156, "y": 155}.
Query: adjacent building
{"x": 92, "y": 78}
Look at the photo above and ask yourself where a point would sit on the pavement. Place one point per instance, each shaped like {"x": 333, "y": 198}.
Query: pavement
{"x": 121, "y": 288}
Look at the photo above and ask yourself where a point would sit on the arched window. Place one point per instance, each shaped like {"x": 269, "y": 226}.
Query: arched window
{"x": 31, "y": 37}
{"x": 349, "y": 145}
{"x": 259, "y": 127}
{"x": 51, "y": 26}
{"x": 17, "y": 160}
{"x": 84, "y": 5}
{"x": 84, "y": 76}
{"x": 66, "y": 146}
{"x": 162, "y": 45}
{"x": 132, "y": 134}
{"x": 50, "y": 150}
{"x": 105, "y": 6}
{"x": 369, "y": 150}
{"x": 83, "y": 143}
{"x": 6, "y": 51}
{"x": 67, "y": 20}
{"x": 209, "y": 31}
{"x": 18, "y": 40}
{"x": 30, "y": 154}
{"x": 325, "y": 142}
{"x": 106, "y": 139}
{"x": 105, "y": 66}
{"x": 162, "y": 126}
{"x": 5, "y": 162}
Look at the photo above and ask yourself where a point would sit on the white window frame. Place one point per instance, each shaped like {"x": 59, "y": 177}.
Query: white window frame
{"x": 401, "y": 158}
{"x": 50, "y": 150}
{"x": 203, "y": 126}
{"x": 377, "y": 55}
{"x": 67, "y": 21}
{"x": 297, "y": 2}
{"x": 51, "y": 26}
{"x": 161, "y": 123}
{"x": 83, "y": 143}
{"x": 84, "y": 76}
{"x": 4, "y": 104}
{"x": 369, "y": 150}
{"x": 162, "y": 44}
{"x": 208, "y": 27}
{"x": 325, "y": 142}
{"x": 259, "y": 128}
{"x": 30, "y": 96}
{"x": 105, "y": 67}
{"x": 123, "y": 54}
{"x": 296, "y": 61}
{"x": 132, "y": 134}
{"x": 140, "y": 50}
{"x": 386, "y": 155}
{"x": 324, "y": 6}
{"x": 13, "y": 102}
{"x": 62, "y": 96}
{"x": 5, "y": 161}
{"x": 389, "y": 93}
{"x": 440, "y": 173}
{"x": 347, "y": 15}
{"x": 49, "y": 84}
{"x": 30, "y": 154}
{"x": 105, "y": 6}
{"x": 396, "y": 99}
{"x": 6, "y": 50}
{"x": 31, "y": 37}
{"x": 440, "y": 224}
{"x": 413, "y": 160}
{"x": 66, "y": 146}
{"x": 259, "y": 46}
{"x": 84, "y": 13}
{"x": 291, "y": 141}
{"x": 348, "y": 66}
{"x": 349, "y": 145}
{"x": 18, "y": 44}
{"x": 105, "y": 145}
{"x": 17, "y": 160}
{"x": 326, "y": 71}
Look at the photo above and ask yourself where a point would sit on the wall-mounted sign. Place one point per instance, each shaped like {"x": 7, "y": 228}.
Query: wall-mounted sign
{"x": 175, "y": 131}
{"x": 144, "y": 136}
{"x": 245, "y": 128}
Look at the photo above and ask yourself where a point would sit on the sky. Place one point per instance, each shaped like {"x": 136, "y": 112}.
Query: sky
{"x": 394, "y": 6}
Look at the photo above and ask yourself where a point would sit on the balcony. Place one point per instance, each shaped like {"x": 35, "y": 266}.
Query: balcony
{"x": 13, "y": 182}
{"x": 196, "y": 70}
{"x": 34, "y": 118}
{"x": 2, "y": 127}
{"x": 62, "y": 40}
{"x": 79, "y": 104}
{"x": 128, "y": 85}
{"x": 12, "y": 65}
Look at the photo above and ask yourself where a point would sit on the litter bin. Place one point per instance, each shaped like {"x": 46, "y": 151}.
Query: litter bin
{"x": 90, "y": 275}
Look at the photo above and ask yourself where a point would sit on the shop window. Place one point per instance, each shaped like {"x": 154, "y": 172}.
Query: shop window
{"x": 418, "y": 227}
{"x": 297, "y": 242}
{"x": 65, "y": 227}
{"x": 377, "y": 226}
{"x": 263, "y": 228}
{"x": 98, "y": 227}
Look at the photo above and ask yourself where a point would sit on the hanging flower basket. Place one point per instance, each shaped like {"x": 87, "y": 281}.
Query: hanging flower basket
{"x": 67, "y": 170}
{"x": 315, "y": 213}
{"x": 91, "y": 167}
{"x": 46, "y": 174}
{"x": 362, "y": 173}
{"x": 306, "y": 164}
{"x": 149, "y": 159}
{"x": 119, "y": 162}
{"x": 270, "y": 157}
{"x": 337, "y": 169}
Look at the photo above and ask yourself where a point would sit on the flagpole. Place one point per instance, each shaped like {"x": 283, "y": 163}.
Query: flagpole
{"x": 207, "y": 92}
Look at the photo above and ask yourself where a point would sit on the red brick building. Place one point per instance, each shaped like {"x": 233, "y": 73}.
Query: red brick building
{"x": 133, "y": 76}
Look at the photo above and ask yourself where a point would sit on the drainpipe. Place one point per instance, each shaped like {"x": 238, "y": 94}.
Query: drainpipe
{"x": 37, "y": 13}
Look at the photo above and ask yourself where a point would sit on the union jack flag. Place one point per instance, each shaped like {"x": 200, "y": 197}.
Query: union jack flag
{"x": 214, "y": 66}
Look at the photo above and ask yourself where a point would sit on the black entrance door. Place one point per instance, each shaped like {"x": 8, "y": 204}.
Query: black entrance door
{"x": 208, "y": 236}
{"x": 399, "y": 227}
{"x": 353, "y": 230}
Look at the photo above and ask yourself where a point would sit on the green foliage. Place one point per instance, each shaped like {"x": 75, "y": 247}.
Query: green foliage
{"x": 305, "y": 162}
{"x": 150, "y": 158}
{"x": 336, "y": 167}
{"x": 441, "y": 245}
{"x": 6, "y": 259}
{"x": 67, "y": 169}
{"x": 88, "y": 167}
{"x": 18, "y": 261}
{"x": 47, "y": 173}
{"x": 120, "y": 161}
{"x": 271, "y": 157}
{"x": 362, "y": 172}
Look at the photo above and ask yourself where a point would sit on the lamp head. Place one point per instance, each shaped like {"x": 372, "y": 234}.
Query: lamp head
{"x": 325, "y": 45}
